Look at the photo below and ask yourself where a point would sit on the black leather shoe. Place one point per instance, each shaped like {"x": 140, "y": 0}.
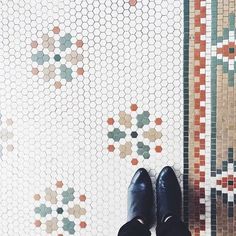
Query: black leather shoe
{"x": 168, "y": 195}
{"x": 140, "y": 197}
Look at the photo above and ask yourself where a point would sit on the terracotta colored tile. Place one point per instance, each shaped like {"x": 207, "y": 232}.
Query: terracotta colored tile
{"x": 83, "y": 224}
{"x": 79, "y": 43}
{"x": 82, "y": 198}
{"x": 80, "y": 71}
{"x": 158, "y": 121}
{"x": 34, "y": 44}
{"x": 35, "y": 71}
{"x": 132, "y": 2}
{"x": 37, "y": 223}
{"x": 110, "y": 121}
{"x": 134, "y": 107}
{"x": 134, "y": 161}
{"x": 158, "y": 148}
{"x": 56, "y": 30}
{"x": 111, "y": 148}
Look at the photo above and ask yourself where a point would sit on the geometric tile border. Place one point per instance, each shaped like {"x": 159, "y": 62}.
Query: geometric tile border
{"x": 195, "y": 116}
{"x": 58, "y": 210}
{"x": 223, "y": 146}
{"x": 209, "y": 117}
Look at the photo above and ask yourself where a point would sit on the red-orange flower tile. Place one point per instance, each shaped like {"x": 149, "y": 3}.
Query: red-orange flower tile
{"x": 35, "y": 71}
{"x": 134, "y": 161}
{"x": 158, "y": 149}
{"x": 56, "y": 30}
{"x": 79, "y": 43}
{"x": 158, "y": 121}
{"x": 83, "y": 224}
{"x": 133, "y": 107}
{"x": 111, "y": 148}
{"x": 132, "y": 2}
{"x": 82, "y": 198}
{"x": 34, "y": 44}
{"x": 37, "y": 223}
{"x": 110, "y": 121}
{"x": 80, "y": 71}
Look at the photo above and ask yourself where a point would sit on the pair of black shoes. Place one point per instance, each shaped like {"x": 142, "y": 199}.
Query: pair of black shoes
{"x": 168, "y": 197}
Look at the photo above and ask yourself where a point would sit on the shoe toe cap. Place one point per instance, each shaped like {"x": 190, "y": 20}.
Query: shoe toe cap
{"x": 167, "y": 178}
{"x": 141, "y": 176}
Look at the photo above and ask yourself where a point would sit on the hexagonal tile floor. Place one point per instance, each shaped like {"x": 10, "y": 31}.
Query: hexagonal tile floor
{"x": 92, "y": 90}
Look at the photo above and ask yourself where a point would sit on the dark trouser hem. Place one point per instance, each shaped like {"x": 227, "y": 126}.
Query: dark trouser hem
{"x": 134, "y": 228}
{"x": 170, "y": 228}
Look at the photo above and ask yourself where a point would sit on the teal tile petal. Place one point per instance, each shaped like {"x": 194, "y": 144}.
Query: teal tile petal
{"x": 146, "y": 155}
{"x": 116, "y": 135}
{"x": 68, "y": 36}
{"x": 68, "y": 225}
{"x": 140, "y": 144}
{"x": 68, "y": 195}
{"x": 68, "y": 44}
{"x": 43, "y": 210}
{"x": 62, "y": 47}
{"x": 34, "y": 57}
{"x": 46, "y": 58}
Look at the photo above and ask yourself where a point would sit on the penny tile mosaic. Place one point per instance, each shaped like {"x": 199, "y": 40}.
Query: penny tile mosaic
{"x": 91, "y": 90}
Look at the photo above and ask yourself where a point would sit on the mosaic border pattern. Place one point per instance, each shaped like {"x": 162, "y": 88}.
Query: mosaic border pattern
{"x": 209, "y": 150}
{"x": 195, "y": 115}
{"x": 223, "y": 64}
{"x": 186, "y": 111}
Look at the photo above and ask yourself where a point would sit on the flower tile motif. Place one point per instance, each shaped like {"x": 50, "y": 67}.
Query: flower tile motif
{"x": 53, "y": 213}
{"x": 57, "y": 56}
{"x": 134, "y": 134}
